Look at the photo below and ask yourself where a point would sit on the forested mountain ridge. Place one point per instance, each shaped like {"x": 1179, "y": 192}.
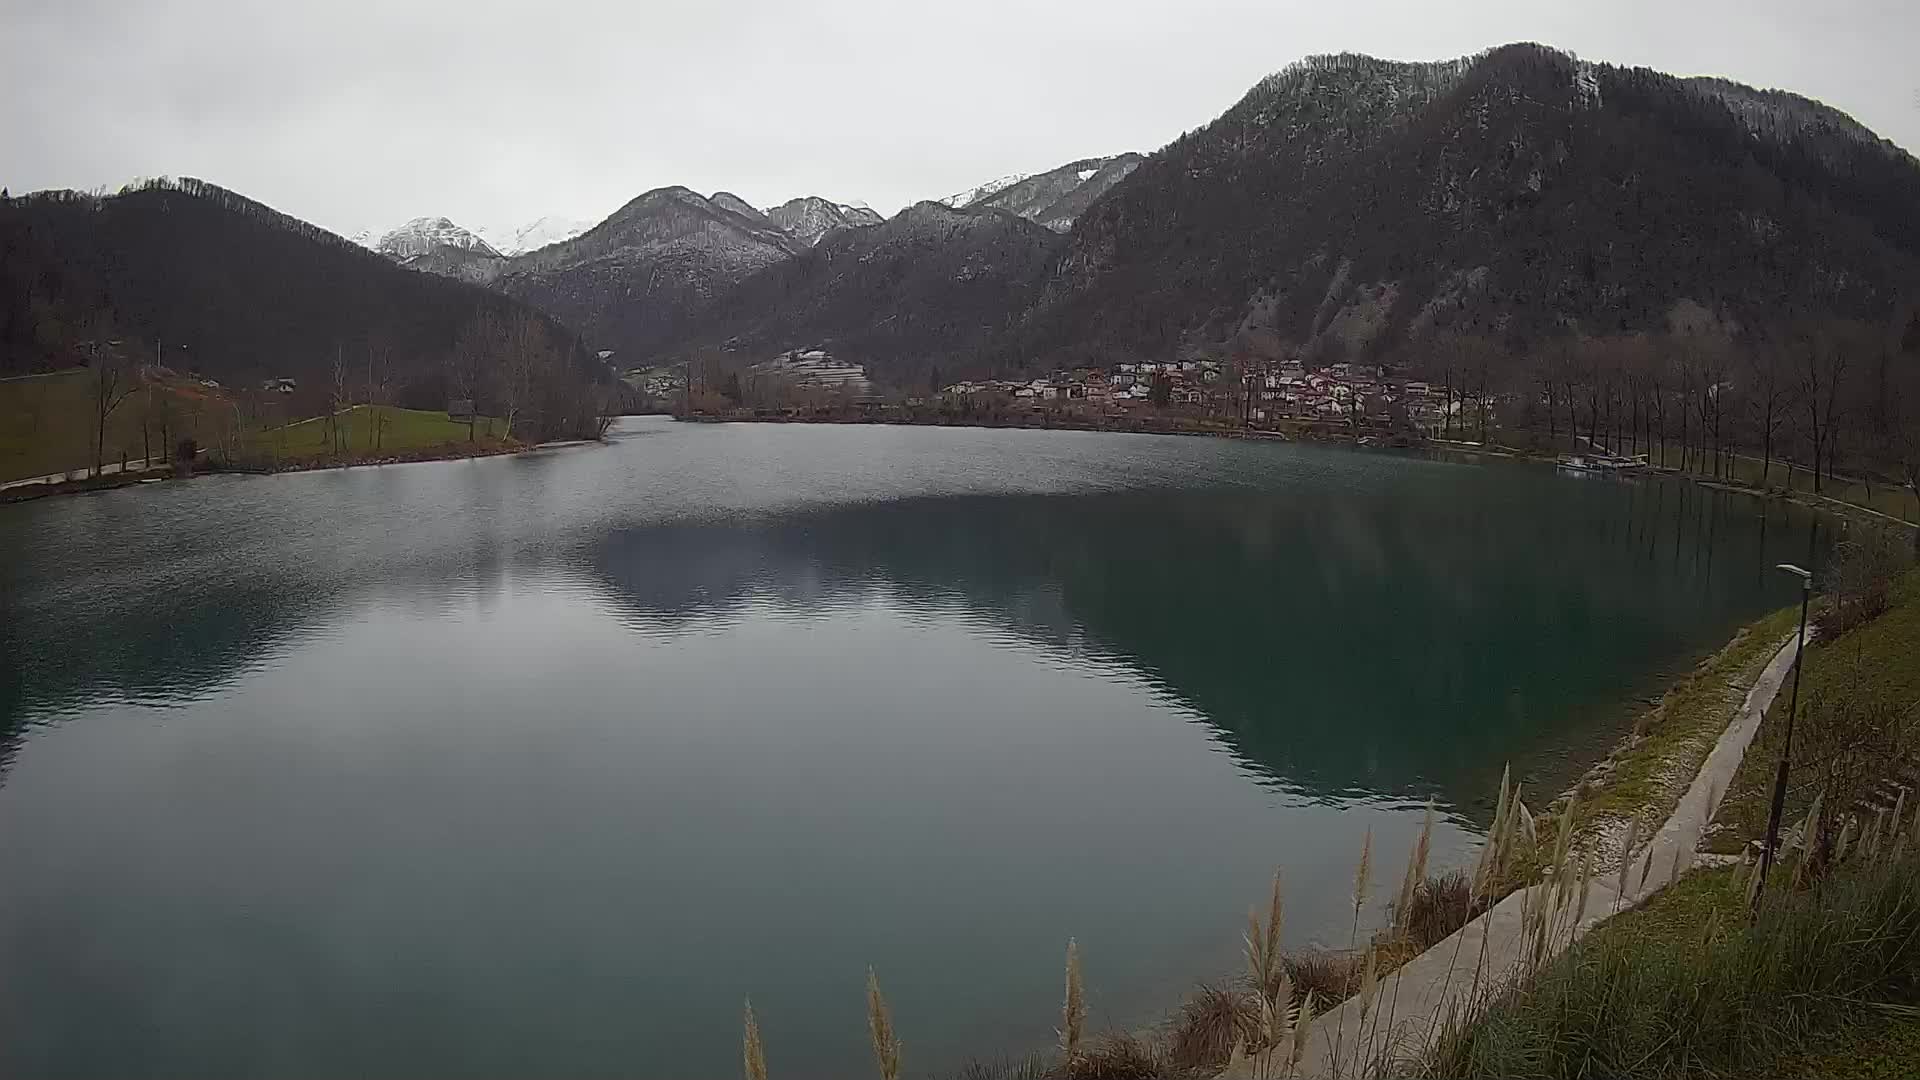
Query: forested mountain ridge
{"x": 924, "y": 289}
{"x": 228, "y": 288}
{"x": 1348, "y": 206}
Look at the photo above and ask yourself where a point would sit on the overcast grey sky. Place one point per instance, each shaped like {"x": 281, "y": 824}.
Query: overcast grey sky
{"x": 362, "y": 113}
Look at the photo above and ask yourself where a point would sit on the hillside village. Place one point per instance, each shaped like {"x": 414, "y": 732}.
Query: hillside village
{"x": 807, "y": 380}
{"x": 1285, "y": 390}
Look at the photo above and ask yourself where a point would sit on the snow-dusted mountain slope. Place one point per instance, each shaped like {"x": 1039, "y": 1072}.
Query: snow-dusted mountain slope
{"x": 809, "y": 218}
{"x": 960, "y": 200}
{"x": 1057, "y": 197}
{"x": 633, "y": 279}
{"x": 727, "y": 200}
{"x": 426, "y": 234}
{"x": 1355, "y": 207}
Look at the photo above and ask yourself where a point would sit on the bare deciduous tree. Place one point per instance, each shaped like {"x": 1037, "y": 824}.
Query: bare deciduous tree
{"x": 1769, "y": 395}
{"x": 340, "y": 435}
{"x": 1903, "y": 415}
{"x": 1824, "y": 362}
{"x": 528, "y": 352}
{"x": 475, "y": 350}
{"x": 379, "y": 358}
{"x": 109, "y": 381}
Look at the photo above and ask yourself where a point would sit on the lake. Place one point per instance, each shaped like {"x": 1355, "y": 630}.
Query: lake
{"x": 541, "y": 765}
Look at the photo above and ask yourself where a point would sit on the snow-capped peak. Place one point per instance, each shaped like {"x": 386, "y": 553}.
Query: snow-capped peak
{"x": 535, "y": 234}
{"x": 424, "y": 234}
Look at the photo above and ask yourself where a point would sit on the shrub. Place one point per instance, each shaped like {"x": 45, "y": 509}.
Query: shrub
{"x": 1328, "y": 976}
{"x": 1116, "y": 1056}
{"x": 1208, "y": 1023}
{"x": 1849, "y": 742}
{"x": 1022, "y": 1069}
{"x": 1439, "y": 906}
{"x": 1859, "y": 582}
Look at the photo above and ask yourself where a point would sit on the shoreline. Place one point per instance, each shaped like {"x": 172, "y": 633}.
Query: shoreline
{"x": 111, "y": 481}
{"x": 1304, "y": 431}
{"x": 1437, "y": 995}
{"x": 1309, "y": 431}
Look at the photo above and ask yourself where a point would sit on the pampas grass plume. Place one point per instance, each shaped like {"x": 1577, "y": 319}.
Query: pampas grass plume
{"x": 754, "y": 1056}
{"x": 1073, "y": 1012}
{"x": 886, "y": 1047}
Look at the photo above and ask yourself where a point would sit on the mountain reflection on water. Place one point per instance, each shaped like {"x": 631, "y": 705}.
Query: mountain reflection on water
{"x": 1394, "y": 644}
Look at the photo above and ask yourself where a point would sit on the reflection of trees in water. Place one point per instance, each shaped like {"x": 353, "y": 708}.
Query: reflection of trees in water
{"x": 84, "y": 651}
{"x": 103, "y": 606}
{"x": 1390, "y": 643}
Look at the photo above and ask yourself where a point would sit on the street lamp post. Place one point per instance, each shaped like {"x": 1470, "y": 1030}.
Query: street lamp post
{"x": 1768, "y": 853}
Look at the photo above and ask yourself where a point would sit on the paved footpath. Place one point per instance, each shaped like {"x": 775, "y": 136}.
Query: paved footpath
{"x": 1440, "y": 980}
{"x": 108, "y": 469}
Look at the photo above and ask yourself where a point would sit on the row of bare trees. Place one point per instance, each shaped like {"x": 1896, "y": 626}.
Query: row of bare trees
{"x": 531, "y": 375}
{"x": 1812, "y": 403}
{"x": 515, "y": 364}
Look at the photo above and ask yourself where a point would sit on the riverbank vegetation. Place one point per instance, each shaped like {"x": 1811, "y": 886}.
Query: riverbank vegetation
{"x": 119, "y": 415}
{"x": 48, "y": 423}
{"x": 1816, "y": 969}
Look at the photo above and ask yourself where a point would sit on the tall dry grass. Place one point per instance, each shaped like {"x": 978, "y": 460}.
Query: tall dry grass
{"x": 1073, "y": 1012}
{"x": 1732, "y": 995}
{"x": 753, "y": 1055}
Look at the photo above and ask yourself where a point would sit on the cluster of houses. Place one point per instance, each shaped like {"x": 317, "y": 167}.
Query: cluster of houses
{"x": 816, "y": 369}
{"x": 664, "y": 382}
{"x": 1263, "y": 392}
{"x": 803, "y": 371}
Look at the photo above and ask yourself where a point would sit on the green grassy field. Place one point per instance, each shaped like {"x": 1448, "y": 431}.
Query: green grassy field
{"x": 401, "y": 432}
{"x": 46, "y": 422}
{"x": 46, "y": 427}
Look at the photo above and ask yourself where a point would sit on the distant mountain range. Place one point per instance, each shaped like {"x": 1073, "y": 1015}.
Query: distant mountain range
{"x": 1346, "y": 207}
{"x": 632, "y": 282}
